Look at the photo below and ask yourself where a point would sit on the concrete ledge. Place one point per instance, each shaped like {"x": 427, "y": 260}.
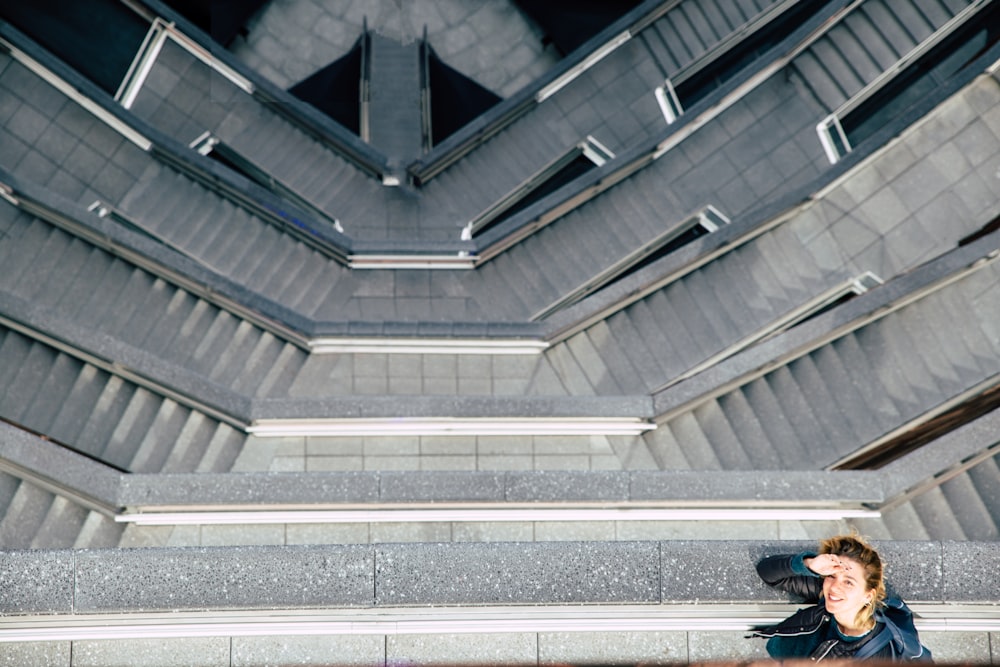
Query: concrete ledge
{"x": 689, "y": 487}
{"x": 387, "y": 575}
{"x": 372, "y": 407}
{"x": 229, "y": 578}
{"x": 42, "y": 461}
{"x": 28, "y": 456}
{"x": 517, "y": 573}
{"x": 36, "y": 582}
{"x": 247, "y": 488}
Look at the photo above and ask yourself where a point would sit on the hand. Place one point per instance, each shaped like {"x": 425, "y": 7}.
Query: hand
{"x": 824, "y": 564}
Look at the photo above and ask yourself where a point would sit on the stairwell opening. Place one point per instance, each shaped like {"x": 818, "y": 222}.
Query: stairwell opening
{"x": 925, "y": 432}
{"x": 577, "y": 161}
{"x": 891, "y": 96}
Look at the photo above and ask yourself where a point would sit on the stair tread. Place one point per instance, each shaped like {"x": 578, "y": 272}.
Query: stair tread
{"x": 714, "y": 423}
{"x": 876, "y": 402}
{"x": 836, "y": 431}
{"x": 61, "y": 525}
{"x": 593, "y": 365}
{"x": 904, "y": 523}
{"x": 665, "y": 449}
{"x": 24, "y": 514}
{"x": 843, "y": 382}
{"x": 790, "y": 425}
{"x": 970, "y": 511}
{"x": 623, "y": 367}
{"x": 937, "y": 515}
{"x": 747, "y": 428}
{"x": 697, "y": 449}
{"x": 644, "y": 360}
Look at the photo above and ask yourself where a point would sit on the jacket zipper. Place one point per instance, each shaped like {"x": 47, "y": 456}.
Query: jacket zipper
{"x": 827, "y": 646}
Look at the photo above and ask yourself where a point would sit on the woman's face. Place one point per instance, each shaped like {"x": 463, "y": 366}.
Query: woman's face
{"x": 845, "y": 591}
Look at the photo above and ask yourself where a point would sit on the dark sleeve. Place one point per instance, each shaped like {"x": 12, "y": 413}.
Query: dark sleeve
{"x": 788, "y": 572}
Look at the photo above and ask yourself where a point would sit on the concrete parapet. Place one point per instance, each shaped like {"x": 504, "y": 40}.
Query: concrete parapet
{"x": 306, "y": 488}
{"x": 387, "y": 575}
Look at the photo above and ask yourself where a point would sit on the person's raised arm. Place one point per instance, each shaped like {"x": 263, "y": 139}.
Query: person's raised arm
{"x": 800, "y": 574}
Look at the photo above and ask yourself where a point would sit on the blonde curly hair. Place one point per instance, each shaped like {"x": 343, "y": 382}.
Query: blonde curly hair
{"x": 855, "y": 547}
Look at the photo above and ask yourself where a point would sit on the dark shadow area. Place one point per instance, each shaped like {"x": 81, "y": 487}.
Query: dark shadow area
{"x": 569, "y": 23}
{"x": 335, "y": 89}
{"x": 918, "y": 81}
{"x": 222, "y": 19}
{"x": 98, "y": 38}
{"x": 695, "y": 87}
{"x": 455, "y": 98}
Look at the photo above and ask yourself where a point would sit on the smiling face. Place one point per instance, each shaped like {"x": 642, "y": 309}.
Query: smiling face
{"x": 845, "y": 591}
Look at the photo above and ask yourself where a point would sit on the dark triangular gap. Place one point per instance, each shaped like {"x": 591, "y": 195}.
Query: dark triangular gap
{"x": 97, "y": 38}
{"x": 696, "y": 231}
{"x": 917, "y": 81}
{"x": 569, "y": 23}
{"x": 985, "y": 230}
{"x": 579, "y": 166}
{"x": 455, "y": 98}
{"x": 335, "y": 89}
{"x": 220, "y": 157}
{"x": 222, "y": 19}
{"x": 842, "y": 299}
{"x": 922, "y": 434}
{"x": 704, "y": 81}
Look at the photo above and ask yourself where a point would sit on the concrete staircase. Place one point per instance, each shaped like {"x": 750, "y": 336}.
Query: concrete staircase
{"x": 145, "y": 342}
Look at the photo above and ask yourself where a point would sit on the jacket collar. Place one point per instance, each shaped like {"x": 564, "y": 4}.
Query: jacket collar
{"x": 895, "y": 617}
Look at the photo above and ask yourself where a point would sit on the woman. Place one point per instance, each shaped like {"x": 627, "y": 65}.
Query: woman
{"x": 853, "y": 617}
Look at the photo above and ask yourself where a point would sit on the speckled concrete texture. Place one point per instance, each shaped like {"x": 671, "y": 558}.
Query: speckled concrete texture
{"x": 559, "y": 485}
{"x": 189, "y": 652}
{"x": 722, "y": 645}
{"x": 36, "y": 582}
{"x": 551, "y": 572}
{"x": 137, "y": 489}
{"x": 693, "y": 484}
{"x": 341, "y": 650}
{"x": 415, "y": 570}
{"x": 462, "y": 649}
{"x": 441, "y": 486}
{"x": 917, "y": 570}
{"x": 698, "y": 571}
{"x": 958, "y": 647}
{"x": 223, "y": 578}
{"x": 69, "y": 468}
{"x": 970, "y": 571}
{"x": 486, "y": 485}
{"x": 50, "y": 654}
{"x": 611, "y": 648}
{"x": 697, "y": 530}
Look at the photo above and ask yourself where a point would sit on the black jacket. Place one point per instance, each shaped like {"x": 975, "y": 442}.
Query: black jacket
{"x": 803, "y": 633}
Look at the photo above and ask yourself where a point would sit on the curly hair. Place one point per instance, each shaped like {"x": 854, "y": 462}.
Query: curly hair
{"x": 857, "y": 549}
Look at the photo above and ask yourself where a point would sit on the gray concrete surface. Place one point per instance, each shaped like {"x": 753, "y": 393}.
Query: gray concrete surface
{"x": 387, "y": 575}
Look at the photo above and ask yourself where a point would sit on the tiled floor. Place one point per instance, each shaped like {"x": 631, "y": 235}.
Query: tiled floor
{"x": 319, "y": 454}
